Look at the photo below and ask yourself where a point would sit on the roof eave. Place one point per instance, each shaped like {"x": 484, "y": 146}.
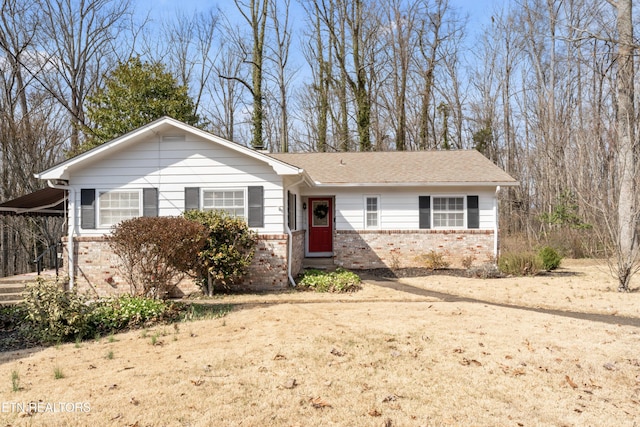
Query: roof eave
{"x": 419, "y": 184}
{"x": 61, "y": 171}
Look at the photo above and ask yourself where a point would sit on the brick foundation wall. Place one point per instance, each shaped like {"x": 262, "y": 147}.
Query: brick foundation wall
{"x": 97, "y": 268}
{"x": 400, "y": 248}
{"x": 268, "y": 269}
{"x": 297, "y": 252}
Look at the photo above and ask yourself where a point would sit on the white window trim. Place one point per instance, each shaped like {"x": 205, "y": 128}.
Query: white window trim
{"x": 118, "y": 190}
{"x": 378, "y": 211}
{"x": 464, "y": 211}
{"x": 244, "y": 198}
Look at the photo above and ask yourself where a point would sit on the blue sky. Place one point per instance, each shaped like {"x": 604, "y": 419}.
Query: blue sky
{"x": 479, "y": 11}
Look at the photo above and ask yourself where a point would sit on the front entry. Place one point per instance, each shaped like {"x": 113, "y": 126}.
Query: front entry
{"x": 320, "y": 226}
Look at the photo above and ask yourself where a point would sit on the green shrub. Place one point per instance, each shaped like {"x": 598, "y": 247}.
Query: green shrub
{"x": 126, "y": 311}
{"x": 337, "y": 281}
{"x": 156, "y": 252}
{"x": 433, "y": 260}
{"x": 520, "y": 264}
{"x": 12, "y": 316}
{"x": 549, "y": 257}
{"x": 51, "y": 315}
{"x": 54, "y": 314}
{"x": 228, "y": 250}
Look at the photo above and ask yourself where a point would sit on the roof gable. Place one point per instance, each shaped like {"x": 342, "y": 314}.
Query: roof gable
{"x": 445, "y": 168}
{"x": 166, "y": 125}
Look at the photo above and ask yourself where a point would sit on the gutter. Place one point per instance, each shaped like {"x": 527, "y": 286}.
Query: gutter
{"x": 290, "y": 233}
{"x": 414, "y": 184}
{"x": 71, "y": 227}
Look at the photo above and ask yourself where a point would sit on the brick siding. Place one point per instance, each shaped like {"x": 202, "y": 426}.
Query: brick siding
{"x": 97, "y": 269}
{"x": 402, "y": 248}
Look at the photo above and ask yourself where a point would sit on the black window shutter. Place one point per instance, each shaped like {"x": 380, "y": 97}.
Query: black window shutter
{"x": 88, "y": 208}
{"x": 191, "y": 198}
{"x": 473, "y": 212}
{"x": 150, "y": 202}
{"x": 424, "y": 205}
{"x": 256, "y": 206}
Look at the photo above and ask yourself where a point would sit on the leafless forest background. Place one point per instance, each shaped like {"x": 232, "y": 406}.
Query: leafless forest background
{"x": 537, "y": 91}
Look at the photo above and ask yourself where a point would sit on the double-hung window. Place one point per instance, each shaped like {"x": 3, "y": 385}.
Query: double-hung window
{"x": 232, "y": 201}
{"x": 448, "y": 212}
{"x": 118, "y": 205}
{"x": 372, "y": 212}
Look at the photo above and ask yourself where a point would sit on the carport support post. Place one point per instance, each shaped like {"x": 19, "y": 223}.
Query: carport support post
{"x": 71, "y": 218}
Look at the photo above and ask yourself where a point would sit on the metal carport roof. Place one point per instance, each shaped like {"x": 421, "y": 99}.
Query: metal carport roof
{"x": 45, "y": 202}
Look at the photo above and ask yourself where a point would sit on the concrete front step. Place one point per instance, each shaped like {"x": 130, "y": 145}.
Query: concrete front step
{"x": 10, "y": 297}
{"x": 11, "y": 287}
{"x": 319, "y": 264}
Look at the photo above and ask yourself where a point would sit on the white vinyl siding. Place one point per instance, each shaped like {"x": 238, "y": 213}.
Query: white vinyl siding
{"x": 372, "y": 212}
{"x": 447, "y": 212}
{"x": 170, "y": 166}
{"x": 231, "y": 201}
{"x": 398, "y": 207}
{"x": 117, "y": 206}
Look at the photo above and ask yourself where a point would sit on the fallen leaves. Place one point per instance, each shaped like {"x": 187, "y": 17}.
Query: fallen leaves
{"x": 289, "y": 384}
{"x": 469, "y": 362}
{"x": 319, "y": 403}
{"x": 516, "y": 372}
{"x": 337, "y": 352}
{"x": 570, "y": 382}
{"x": 391, "y": 398}
{"x": 375, "y": 413}
{"x": 529, "y": 346}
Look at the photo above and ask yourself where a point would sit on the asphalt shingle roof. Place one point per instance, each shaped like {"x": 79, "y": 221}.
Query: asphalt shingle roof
{"x": 402, "y": 167}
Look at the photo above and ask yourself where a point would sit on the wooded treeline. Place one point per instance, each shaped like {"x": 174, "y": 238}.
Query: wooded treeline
{"x": 536, "y": 90}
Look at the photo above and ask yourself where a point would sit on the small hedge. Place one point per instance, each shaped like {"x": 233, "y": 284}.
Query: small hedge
{"x": 336, "y": 281}
{"x": 54, "y": 315}
{"x": 49, "y": 314}
{"x": 520, "y": 264}
{"x": 126, "y": 312}
{"x": 529, "y": 263}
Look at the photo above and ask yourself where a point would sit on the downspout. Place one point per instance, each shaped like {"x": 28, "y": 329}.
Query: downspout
{"x": 290, "y": 233}
{"x": 72, "y": 225}
{"x": 495, "y": 230}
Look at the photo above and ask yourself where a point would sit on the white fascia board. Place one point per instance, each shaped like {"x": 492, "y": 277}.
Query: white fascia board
{"x": 417, "y": 184}
{"x": 61, "y": 171}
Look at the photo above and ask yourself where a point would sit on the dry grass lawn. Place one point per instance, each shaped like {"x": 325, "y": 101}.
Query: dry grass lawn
{"x": 439, "y": 351}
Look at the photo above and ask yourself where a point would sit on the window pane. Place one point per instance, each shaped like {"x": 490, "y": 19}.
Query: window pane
{"x": 229, "y": 201}
{"x": 448, "y": 212}
{"x": 371, "y": 212}
{"x": 117, "y": 206}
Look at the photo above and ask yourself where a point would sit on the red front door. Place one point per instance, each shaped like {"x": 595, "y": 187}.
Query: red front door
{"x": 320, "y": 225}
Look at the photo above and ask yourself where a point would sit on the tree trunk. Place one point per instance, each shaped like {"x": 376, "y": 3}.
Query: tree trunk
{"x": 627, "y": 150}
